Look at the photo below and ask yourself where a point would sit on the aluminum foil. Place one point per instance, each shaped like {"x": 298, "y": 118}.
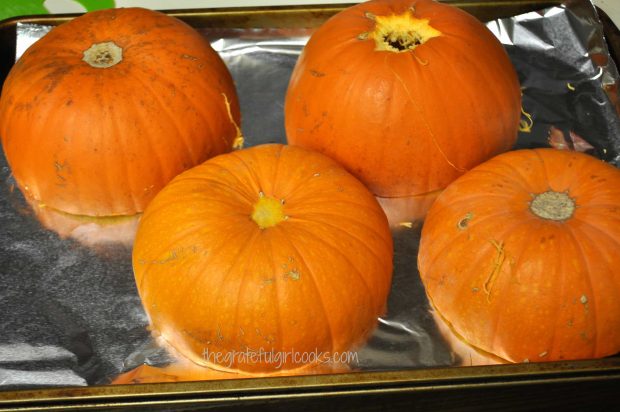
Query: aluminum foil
{"x": 70, "y": 313}
{"x": 568, "y": 79}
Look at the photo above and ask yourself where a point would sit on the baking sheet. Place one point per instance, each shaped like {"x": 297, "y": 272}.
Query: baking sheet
{"x": 70, "y": 314}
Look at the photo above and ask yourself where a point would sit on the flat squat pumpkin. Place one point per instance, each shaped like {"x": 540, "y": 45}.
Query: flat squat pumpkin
{"x": 98, "y": 115}
{"x": 406, "y": 94}
{"x": 520, "y": 256}
{"x": 274, "y": 251}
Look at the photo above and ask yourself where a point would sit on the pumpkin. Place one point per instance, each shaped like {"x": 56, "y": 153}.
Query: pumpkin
{"x": 98, "y": 115}
{"x": 274, "y": 251}
{"x": 406, "y": 94}
{"x": 520, "y": 256}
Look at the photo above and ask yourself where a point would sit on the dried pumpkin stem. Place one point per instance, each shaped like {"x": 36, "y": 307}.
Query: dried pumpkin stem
{"x": 551, "y": 205}
{"x": 103, "y": 55}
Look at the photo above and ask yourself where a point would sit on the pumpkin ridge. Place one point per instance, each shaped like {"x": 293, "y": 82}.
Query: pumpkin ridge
{"x": 276, "y": 170}
{"x": 232, "y": 204}
{"x": 588, "y": 224}
{"x": 246, "y": 188}
{"x": 252, "y": 176}
{"x": 516, "y": 172}
{"x": 122, "y": 154}
{"x": 340, "y": 218}
{"x": 277, "y": 290}
{"x": 198, "y": 106}
{"x": 212, "y": 182}
{"x": 430, "y": 76}
{"x": 337, "y": 251}
{"x": 461, "y": 337}
{"x": 345, "y": 201}
{"x": 473, "y": 267}
{"x": 465, "y": 57}
{"x": 21, "y": 98}
{"x": 165, "y": 247}
{"x": 478, "y": 220}
{"x": 173, "y": 120}
{"x": 27, "y": 91}
{"x": 500, "y": 100}
{"x": 193, "y": 294}
{"x": 142, "y": 122}
{"x": 301, "y": 184}
{"x": 470, "y": 96}
{"x": 476, "y": 197}
{"x": 558, "y": 308}
{"x": 545, "y": 173}
{"x": 514, "y": 178}
{"x": 328, "y": 321}
{"x": 244, "y": 276}
{"x": 591, "y": 298}
{"x": 420, "y": 114}
{"x": 81, "y": 180}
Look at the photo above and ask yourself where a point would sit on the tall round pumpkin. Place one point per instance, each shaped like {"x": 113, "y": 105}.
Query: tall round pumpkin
{"x": 99, "y": 114}
{"x": 406, "y": 94}
{"x": 520, "y": 256}
{"x": 274, "y": 251}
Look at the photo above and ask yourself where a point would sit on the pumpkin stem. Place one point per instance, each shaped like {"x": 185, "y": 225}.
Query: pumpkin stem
{"x": 401, "y": 33}
{"x": 550, "y": 205}
{"x": 103, "y": 55}
{"x": 268, "y": 211}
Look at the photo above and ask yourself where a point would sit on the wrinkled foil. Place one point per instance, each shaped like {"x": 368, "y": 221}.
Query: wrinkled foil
{"x": 71, "y": 315}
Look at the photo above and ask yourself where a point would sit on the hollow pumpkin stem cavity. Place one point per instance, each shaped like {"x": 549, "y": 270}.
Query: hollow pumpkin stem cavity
{"x": 103, "y": 55}
{"x": 268, "y": 211}
{"x": 401, "y": 33}
{"x": 552, "y": 205}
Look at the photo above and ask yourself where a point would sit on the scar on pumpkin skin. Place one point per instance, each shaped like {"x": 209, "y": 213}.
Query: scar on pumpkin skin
{"x": 238, "y": 141}
{"x": 497, "y": 266}
{"x": 370, "y": 16}
{"x": 293, "y": 274}
{"x": 428, "y": 128}
{"x": 462, "y": 224}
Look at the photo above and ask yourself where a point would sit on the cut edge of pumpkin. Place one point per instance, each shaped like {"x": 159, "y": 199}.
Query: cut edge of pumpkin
{"x": 87, "y": 230}
{"x": 399, "y": 33}
{"x": 454, "y": 338}
{"x": 201, "y": 364}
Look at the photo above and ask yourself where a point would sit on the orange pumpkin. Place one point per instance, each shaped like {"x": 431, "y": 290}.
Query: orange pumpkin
{"x": 262, "y": 258}
{"x": 406, "y": 94}
{"x": 98, "y": 115}
{"x": 520, "y": 256}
